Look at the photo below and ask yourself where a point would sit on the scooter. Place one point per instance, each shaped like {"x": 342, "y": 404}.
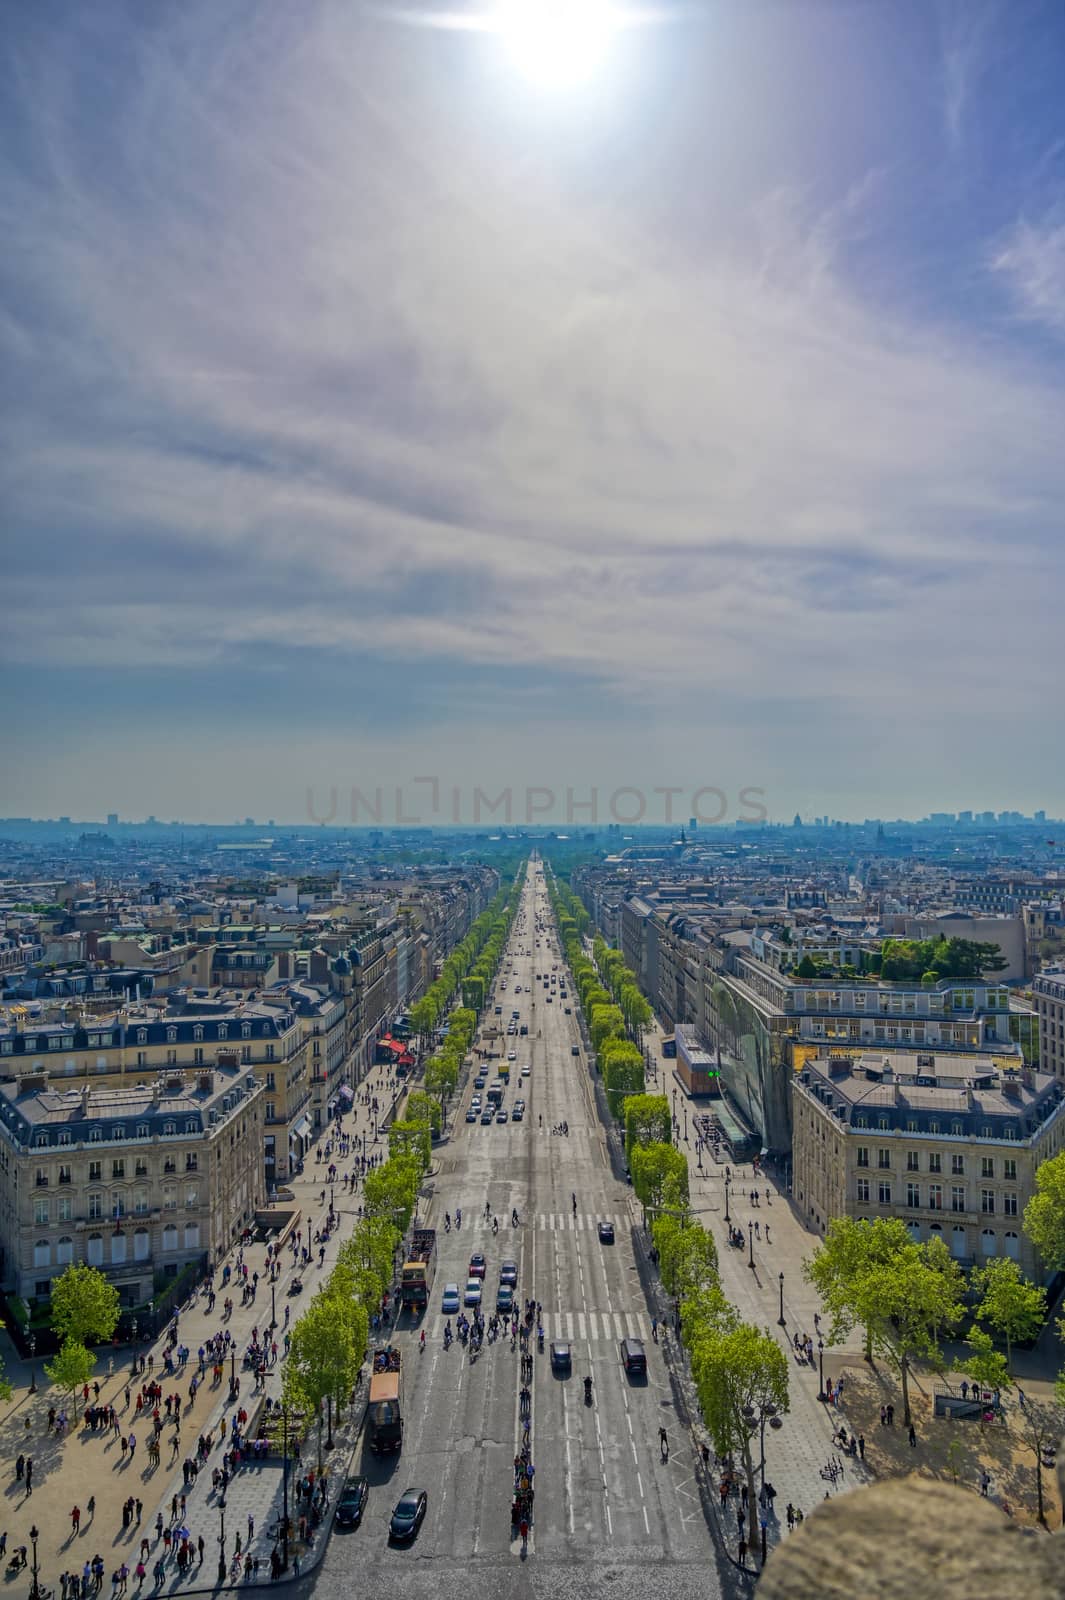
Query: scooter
{"x": 587, "y": 1391}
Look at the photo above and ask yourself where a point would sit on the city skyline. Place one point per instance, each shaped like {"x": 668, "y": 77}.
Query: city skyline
{"x": 372, "y": 410}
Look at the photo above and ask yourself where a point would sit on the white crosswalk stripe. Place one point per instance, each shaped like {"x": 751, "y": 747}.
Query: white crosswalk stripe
{"x": 583, "y": 1222}
{"x": 592, "y": 1328}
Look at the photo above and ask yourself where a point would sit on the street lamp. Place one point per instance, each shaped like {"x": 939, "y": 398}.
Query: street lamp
{"x": 727, "y": 1217}
{"x": 750, "y": 1236}
{"x": 32, "y": 1343}
{"x": 222, "y": 1540}
{"x": 699, "y": 1156}
{"x": 781, "y": 1323}
{"x": 35, "y": 1592}
{"x": 820, "y": 1369}
{"x": 233, "y": 1367}
{"x": 273, "y": 1305}
{"x": 685, "y": 1124}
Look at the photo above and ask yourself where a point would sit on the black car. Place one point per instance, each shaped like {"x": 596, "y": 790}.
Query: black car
{"x": 352, "y": 1502}
{"x": 409, "y": 1514}
{"x": 561, "y": 1356}
{"x": 606, "y": 1233}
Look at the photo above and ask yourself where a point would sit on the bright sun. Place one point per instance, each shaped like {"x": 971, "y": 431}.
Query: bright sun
{"x": 556, "y": 43}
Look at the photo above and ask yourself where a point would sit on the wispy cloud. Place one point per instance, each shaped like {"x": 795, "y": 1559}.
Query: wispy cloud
{"x": 966, "y": 29}
{"x": 1030, "y": 259}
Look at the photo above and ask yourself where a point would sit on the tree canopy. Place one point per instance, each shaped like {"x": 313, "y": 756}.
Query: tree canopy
{"x": 85, "y": 1306}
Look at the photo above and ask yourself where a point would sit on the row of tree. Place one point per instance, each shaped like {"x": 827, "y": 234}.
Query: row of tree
{"x": 469, "y": 967}
{"x": 329, "y": 1340}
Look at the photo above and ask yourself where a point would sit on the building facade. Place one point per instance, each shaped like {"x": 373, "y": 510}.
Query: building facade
{"x": 1048, "y": 998}
{"x": 952, "y": 1147}
{"x": 140, "y": 1181}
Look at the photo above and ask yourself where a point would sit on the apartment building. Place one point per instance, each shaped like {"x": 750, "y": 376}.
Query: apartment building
{"x": 1048, "y": 999}
{"x": 950, "y": 1146}
{"x": 139, "y": 1180}
{"x": 135, "y": 1043}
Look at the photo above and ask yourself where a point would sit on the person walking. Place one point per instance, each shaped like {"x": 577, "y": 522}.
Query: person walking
{"x": 913, "y": 1437}
{"x": 861, "y": 1445}
{"x": 75, "y": 1519}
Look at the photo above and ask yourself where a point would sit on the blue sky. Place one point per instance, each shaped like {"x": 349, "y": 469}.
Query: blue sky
{"x": 370, "y": 411}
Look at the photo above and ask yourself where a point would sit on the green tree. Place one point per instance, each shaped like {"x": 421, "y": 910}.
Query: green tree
{"x": 806, "y": 969}
{"x": 851, "y": 1248}
{"x": 1009, "y": 1304}
{"x": 687, "y": 1256}
{"x": 623, "y": 1073}
{"x": 659, "y": 1175}
{"x": 85, "y": 1307}
{"x": 606, "y": 1022}
{"x": 441, "y": 1077}
{"x": 407, "y": 1138}
{"x": 391, "y": 1190}
{"x": 909, "y": 1302}
{"x": 72, "y": 1367}
{"x": 1040, "y": 1422}
{"x": 738, "y": 1373}
{"x": 647, "y": 1121}
{"x": 986, "y": 1364}
{"x": 322, "y": 1362}
{"x": 1044, "y": 1215}
{"x": 423, "y": 1107}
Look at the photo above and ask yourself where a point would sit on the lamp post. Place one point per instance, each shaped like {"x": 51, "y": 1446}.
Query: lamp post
{"x": 32, "y": 1343}
{"x": 699, "y": 1156}
{"x": 685, "y": 1124}
{"x": 222, "y": 1540}
{"x": 233, "y": 1367}
{"x": 820, "y": 1369}
{"x": 750, "y": 1237}
{"x": 273, "y": 1305}
{"x": 284, "y": 1489}
{"x": 35, "y": 1591}
{"x": 727, "y": 1217}
{"x": 781, "y": 1323}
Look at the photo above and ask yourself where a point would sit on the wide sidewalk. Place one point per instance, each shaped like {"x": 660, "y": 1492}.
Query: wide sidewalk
{"x": 92, "y": 1465}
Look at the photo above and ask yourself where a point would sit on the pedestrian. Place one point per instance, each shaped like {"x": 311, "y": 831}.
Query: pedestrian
{"x": 861, "y": 1445}
{"x": 985, "y": 1483}
{"x": 790, "y": 1516}
{"x": 743, "y": 1551}
{"x": 75, "y": 1519}
{"x": 20, "y": 1468}
{"x": 29, "y": 1474}
{"x": 883, "y": 1416}
{"x": 964, "y": 1389}
{"x": 913, "y": 1437}
{"x": 891, "y": 1416}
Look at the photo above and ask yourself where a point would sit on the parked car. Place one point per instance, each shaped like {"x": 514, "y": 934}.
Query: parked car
{"x": 352, "y": 1502}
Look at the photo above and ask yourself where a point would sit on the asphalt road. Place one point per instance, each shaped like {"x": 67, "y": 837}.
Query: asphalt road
{"x": 610, "y": 1516}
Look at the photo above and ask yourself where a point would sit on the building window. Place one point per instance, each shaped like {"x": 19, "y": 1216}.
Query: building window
{"x": 171, "y": 1036}
{"x": 1009, "y": 1169}
{"x": 192, "y": 1198}
{"x": 40, "y": 1213}
{"x": 64, "y": 1251}
{"x": 143, "y": 1131}
{"x": 191, "y": 1163}
{"x": 142, "y": 1058}
{"x": 96, "y": 1207}
{"x": 169, "y": 1129}
{"x": 95, "y": 1171}
{"x": 169, "y": 1197}
{"x": 956, "y": 1129}
{"x": 65, "y": 1208}
{"x": 935, "y": 1162}
{"x": 957, "y": 1197}
{"x": 958, "y": 1243}
{"x": 862, "y": 1190}
{"x": 245, "y": 1030}
{"x": 171, "y": 1058}
{"x": 140, "y": 1168}
{"x": 1009, "y": 1205}
{"x": 197, "y": 1056}
{"x": 142, "y": 1036}
{"x": 270, "y": 1081}
{"x": 118, "y": 1167}
{"x": 884, "y": 1194}
{"x": 987, "y": 1202}
{"x": 96, "y": 1136}
{"x": 271, "y": 1111}
{"x": 170, "y": 1237}
{"x": 987, "y": 1166}
{"x": 883, "y": 1159}
{"x": 223, "y": 1030}
{"x": 912, "y": 1162}
{"x": 118, "y": 1203}
{"x": 913, "y": 1194}
{"x": 1012, "y": 1245}
{"x": 94, "y": 1249}
{"x": 140, "y": 1202}
{"x": 987, "y": 1241}
{"x": 935, "y": 1197}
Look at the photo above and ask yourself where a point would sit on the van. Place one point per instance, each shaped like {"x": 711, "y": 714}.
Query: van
{"x": 634, "y": 1357}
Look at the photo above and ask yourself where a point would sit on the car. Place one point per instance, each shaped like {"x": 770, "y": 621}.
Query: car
{"x": 409, "y": 1514}
{"x": 471, "y": 1115}
{"x": 574, "y": 1049}
{"x": 518, "y": 1114}
{"x": 352, "y": 1502}
{"x": 523, "y": 1029}
{"x": 606, "y": 1233}
{"x": 525, "y": 1069}
{"x": 478, "y": 1265}
{"x": 512, "y": 1055}
{"x": 561, "y": 1356}
{"x": 634, "y": 1357}
{"x": 487, "y": 1117}
{"x": 501, "y": 1115}
{"x": 568, "y": 1010}
{"x": 517, "y": 988}
{"x": 480, "y": 1080}
{"x": 508, "y": 1273}
{"x": 505, "y": 1298}
{"x": 519, "y": 1104}
{"x": 450, "y": 1302}
{"x": 549, "y": 999}
{"x": 472, "y": 1297}
{"x": 475, "y": 1102}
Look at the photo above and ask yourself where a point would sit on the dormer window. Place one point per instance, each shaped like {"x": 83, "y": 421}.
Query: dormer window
{"x": 143, "y": 1131}
{"x": 95, "y": 1136}
{"x": 142, "y": 1036}
{"x": 192, "y": 1126}
{"x": 245, "y": 1030}
{"x": 197, "y": 1032}
{"x": 169, "y": 1129}
{"x": 118, "y": 1133}
{"x": 171, "y": 1035}
{"x": 223, "y": 1030}
{"x": 41, "y": 1141}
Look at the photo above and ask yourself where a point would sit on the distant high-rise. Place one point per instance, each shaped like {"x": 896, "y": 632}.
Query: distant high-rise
{"x": 112, "y": 819}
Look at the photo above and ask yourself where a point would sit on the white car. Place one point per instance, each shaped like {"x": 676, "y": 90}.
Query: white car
{"x": 473, "y": 1292}
{"x": 512, "y": 1055}
{"x": 526, "y": 1069}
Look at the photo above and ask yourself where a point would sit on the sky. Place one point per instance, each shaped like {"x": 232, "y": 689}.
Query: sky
{"x": 373, "y": 410}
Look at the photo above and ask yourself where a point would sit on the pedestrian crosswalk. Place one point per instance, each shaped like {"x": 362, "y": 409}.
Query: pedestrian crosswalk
{"x": 579, "y": 1222}
{"x": 578, "y": 1327}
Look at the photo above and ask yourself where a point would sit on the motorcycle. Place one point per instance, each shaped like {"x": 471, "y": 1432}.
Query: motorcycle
{"x": 587, "y": 1391}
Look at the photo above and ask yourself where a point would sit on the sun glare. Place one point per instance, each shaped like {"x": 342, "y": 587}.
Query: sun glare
{"x": 556, "y": 43}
